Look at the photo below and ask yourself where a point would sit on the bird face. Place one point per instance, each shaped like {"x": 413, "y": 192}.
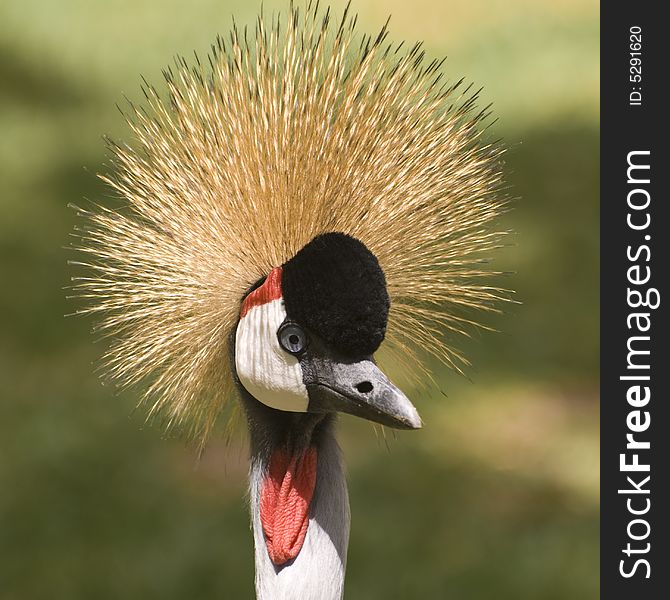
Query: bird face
{"x": 306, "y": 336}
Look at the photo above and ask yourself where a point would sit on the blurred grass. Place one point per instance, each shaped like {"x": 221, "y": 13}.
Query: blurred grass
{"x": 496, "y": 497}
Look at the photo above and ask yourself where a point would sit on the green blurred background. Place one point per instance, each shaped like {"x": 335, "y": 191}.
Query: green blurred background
{"x": 497, "y": 497}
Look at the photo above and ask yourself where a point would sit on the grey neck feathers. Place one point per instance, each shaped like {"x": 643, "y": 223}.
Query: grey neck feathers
{"x": 317, "y": 573}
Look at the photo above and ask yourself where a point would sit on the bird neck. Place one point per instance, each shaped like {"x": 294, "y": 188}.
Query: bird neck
{"x": 299, "y": 505}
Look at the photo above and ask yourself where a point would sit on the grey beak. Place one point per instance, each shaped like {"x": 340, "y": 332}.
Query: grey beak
{"x": 359, "y": 388}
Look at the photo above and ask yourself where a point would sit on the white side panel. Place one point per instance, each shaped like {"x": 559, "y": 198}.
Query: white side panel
{"x": 267, "y": 372}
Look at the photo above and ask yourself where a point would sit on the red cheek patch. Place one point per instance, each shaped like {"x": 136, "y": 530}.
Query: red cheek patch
{"x": 269, "y": 291}
{"x": 285, "y": 498}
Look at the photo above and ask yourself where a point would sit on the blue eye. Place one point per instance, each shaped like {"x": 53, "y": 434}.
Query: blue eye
{"x": 292, "y": 338}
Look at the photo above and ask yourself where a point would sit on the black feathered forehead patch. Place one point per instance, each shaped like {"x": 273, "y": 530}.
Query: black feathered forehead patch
{"x": 335, "y": 287}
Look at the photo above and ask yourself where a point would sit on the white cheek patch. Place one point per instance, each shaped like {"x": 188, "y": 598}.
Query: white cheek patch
{"x": 267, "y": 372}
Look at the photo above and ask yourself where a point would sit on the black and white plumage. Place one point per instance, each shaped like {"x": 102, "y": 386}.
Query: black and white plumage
{"x": 301, "y": 210}
{"x": 304, "y": 350}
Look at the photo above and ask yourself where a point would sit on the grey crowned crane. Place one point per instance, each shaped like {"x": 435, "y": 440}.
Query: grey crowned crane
{"x": 298, "y": 210}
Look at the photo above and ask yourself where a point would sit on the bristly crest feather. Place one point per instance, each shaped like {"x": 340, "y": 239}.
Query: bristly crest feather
{"x": 297, "y": 132}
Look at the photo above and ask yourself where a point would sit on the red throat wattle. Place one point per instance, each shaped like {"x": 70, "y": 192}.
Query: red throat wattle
{"x": 286, "y": 495}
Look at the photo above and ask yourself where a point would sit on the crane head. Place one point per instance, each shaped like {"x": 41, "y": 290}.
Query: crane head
{"x": 307, "y": 335}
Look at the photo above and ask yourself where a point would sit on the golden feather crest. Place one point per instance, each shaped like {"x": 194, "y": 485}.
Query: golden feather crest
{"x": 303, "y": 129}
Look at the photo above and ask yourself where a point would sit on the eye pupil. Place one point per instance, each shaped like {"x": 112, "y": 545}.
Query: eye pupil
{"x": 292, "y": 338}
